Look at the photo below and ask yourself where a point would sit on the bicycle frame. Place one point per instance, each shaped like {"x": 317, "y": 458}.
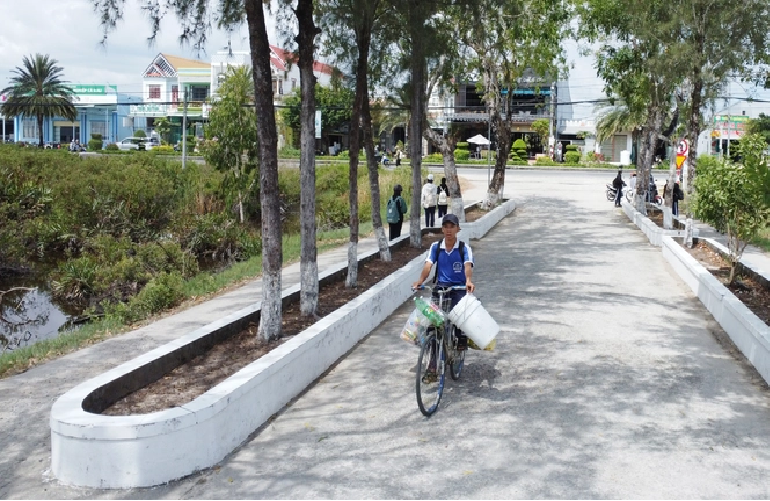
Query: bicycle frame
{"x": 445, "y": 333}
{"x": 440, "y": 347}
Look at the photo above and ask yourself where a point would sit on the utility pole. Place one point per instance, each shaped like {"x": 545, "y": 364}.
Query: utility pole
{"x": 184, "y": 129}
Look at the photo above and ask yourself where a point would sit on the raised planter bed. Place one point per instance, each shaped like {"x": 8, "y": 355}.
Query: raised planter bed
{"x": 94, "y": 450}
{"x": 654, "y": 232}
{"x": 749, "y": 333}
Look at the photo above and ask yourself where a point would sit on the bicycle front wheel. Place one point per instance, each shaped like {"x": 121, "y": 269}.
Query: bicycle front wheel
{"x": 429, "y": 382}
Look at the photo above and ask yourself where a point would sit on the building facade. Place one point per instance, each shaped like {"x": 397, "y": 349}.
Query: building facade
{"x": 168, "y": 77}
{"x": 100, "y": 109}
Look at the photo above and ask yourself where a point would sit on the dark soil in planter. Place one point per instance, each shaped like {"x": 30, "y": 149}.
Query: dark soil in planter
{"x": 474, "y": 214}
{"x": 750, "y": 291}
{"x": 657, "y": 218}
{"x": 190, "y": 380}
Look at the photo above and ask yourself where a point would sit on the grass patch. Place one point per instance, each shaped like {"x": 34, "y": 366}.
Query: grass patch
{"x": 201, "y": 285}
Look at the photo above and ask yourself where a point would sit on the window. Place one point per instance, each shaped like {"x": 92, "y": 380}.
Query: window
{"x": 198, "y": 93}
{"x": 293, "y": 83}
{"x": 280, "y": 86}
{"x": 29, "y": 128}
{"x": 99, "y": 128}
{"x": 154, "y": 91}
{"x": 175, "y": 94}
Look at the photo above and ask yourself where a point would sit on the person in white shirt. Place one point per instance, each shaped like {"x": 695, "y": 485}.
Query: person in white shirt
{"x": 429, "y": 196}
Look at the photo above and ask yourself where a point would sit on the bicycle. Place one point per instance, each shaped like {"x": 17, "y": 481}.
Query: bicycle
{"x": 438, "y": 347}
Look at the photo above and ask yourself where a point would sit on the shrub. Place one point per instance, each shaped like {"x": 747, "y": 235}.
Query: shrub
{"x": 112, "y": 147}
{"x": 572, "y": 157}
{"x": 289, "y": 152}
{"x": 140, "y": 133}
{"x": 164, "y": 148}
{"x": 433, "y": 158}
{"x": 520, "y": 149}
{"x": 160, "y": 293}
{"x": 98, "y": 137}
{"x": 571, "y": 147}
{"x": 462, "y": 145}
{"x": 734, "y": 198}
{"x": 95, "y": 144}
{"x": 545, "y": 160}
{"x": 462, "y": 155}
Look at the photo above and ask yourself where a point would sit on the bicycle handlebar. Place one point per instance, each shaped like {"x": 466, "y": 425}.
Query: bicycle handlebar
{"x": 437, "y": 287}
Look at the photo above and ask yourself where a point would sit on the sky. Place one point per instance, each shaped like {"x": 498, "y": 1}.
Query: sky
{"x": 69, "y": 32}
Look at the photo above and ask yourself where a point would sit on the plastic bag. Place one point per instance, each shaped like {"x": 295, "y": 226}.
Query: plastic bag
{"x": 431, "y": 311}
{"x": 415, "y": 327}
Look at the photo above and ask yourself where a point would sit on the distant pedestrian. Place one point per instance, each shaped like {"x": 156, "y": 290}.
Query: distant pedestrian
{"x": 676, "y": 195}
{"x": 398, "y": 158}
{"x": 429, "y": 202}
{"x": 443, "y": 198}
{"x": 395, "y": 212}
{"x": 618, "y": 184}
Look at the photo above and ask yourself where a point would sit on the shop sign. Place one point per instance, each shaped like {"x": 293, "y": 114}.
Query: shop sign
{"x": 89, "y": 90}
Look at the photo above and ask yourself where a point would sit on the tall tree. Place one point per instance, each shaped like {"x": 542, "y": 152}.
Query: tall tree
{"x": 718, "y": 41}
{"x": 346, "y": 21}
{"x": 195, "y": 21}
{"x": 272, "y": 246}
{"x": 638, "y": 61}
{"x": 232, "y": 132}
{"x": 38, "y": 91}
{"x": 308, "y": 294}
{"x": 514, "y": 42}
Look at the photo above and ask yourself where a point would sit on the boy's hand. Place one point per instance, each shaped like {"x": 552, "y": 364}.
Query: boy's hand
{"x": 469, "y": 286}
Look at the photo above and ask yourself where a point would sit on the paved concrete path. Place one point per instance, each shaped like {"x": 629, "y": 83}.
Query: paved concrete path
{"x": 610, "y": 380}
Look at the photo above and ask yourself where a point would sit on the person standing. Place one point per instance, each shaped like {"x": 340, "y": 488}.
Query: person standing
{"x": 442, "y": 202}
{"x": 395, "y": 212}
{"x": 676, "y": 196}
{"x": 429, "y": 202}
{"x": 617, "y": 184}
{"x": 398, "y": 158}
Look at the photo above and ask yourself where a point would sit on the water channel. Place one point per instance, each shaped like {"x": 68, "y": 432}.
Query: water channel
{"x": 28, "y": 313}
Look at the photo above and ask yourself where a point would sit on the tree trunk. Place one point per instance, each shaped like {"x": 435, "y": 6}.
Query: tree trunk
{"x": 694, "y": 129}
{"x": 668, "y": 199}
{"x": 308, "y": 293}
{"x": 504, "y": 143}
{"x": 40, "y": 142}
{"x": 446, "y": 145}
{"x": 374, "y": 183}
{"x": 272, "y": 248}
{"x": 355, "y": 146}
{"x": 417, "y": 118}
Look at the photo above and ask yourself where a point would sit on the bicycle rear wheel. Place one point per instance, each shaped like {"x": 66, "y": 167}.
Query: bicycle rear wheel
{"x": 429, "y": 381}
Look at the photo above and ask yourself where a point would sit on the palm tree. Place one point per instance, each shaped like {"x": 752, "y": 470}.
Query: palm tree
{"x": 617, "y": 118}
{"x": 37, "y": 90}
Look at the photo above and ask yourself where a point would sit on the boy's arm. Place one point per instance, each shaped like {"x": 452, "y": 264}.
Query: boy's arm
{"x": 423, "y": 274}
{"x": 469, "y": 277}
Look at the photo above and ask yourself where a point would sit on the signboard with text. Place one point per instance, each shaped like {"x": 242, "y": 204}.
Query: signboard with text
{"x": 730, "y": 127}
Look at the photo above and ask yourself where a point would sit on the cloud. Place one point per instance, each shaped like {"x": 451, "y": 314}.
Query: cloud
{"x": 69, "y": 31}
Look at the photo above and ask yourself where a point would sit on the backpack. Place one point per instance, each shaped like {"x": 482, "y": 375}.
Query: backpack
{"x": 393, "y": 214}
{"x": 442, "y": 196}
{"x": 463, "y": 256}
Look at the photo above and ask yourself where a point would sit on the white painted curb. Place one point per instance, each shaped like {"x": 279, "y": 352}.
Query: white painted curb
{"x": 750, "y": 334}
{"x": 654, "y": 232}
{"x": 144, "y": 450}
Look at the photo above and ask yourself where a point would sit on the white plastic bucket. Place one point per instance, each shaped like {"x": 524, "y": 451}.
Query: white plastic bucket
{"x": 474, "y": 320}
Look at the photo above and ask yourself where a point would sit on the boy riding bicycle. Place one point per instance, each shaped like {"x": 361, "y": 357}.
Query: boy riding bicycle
{"x": 454, "y": 266}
